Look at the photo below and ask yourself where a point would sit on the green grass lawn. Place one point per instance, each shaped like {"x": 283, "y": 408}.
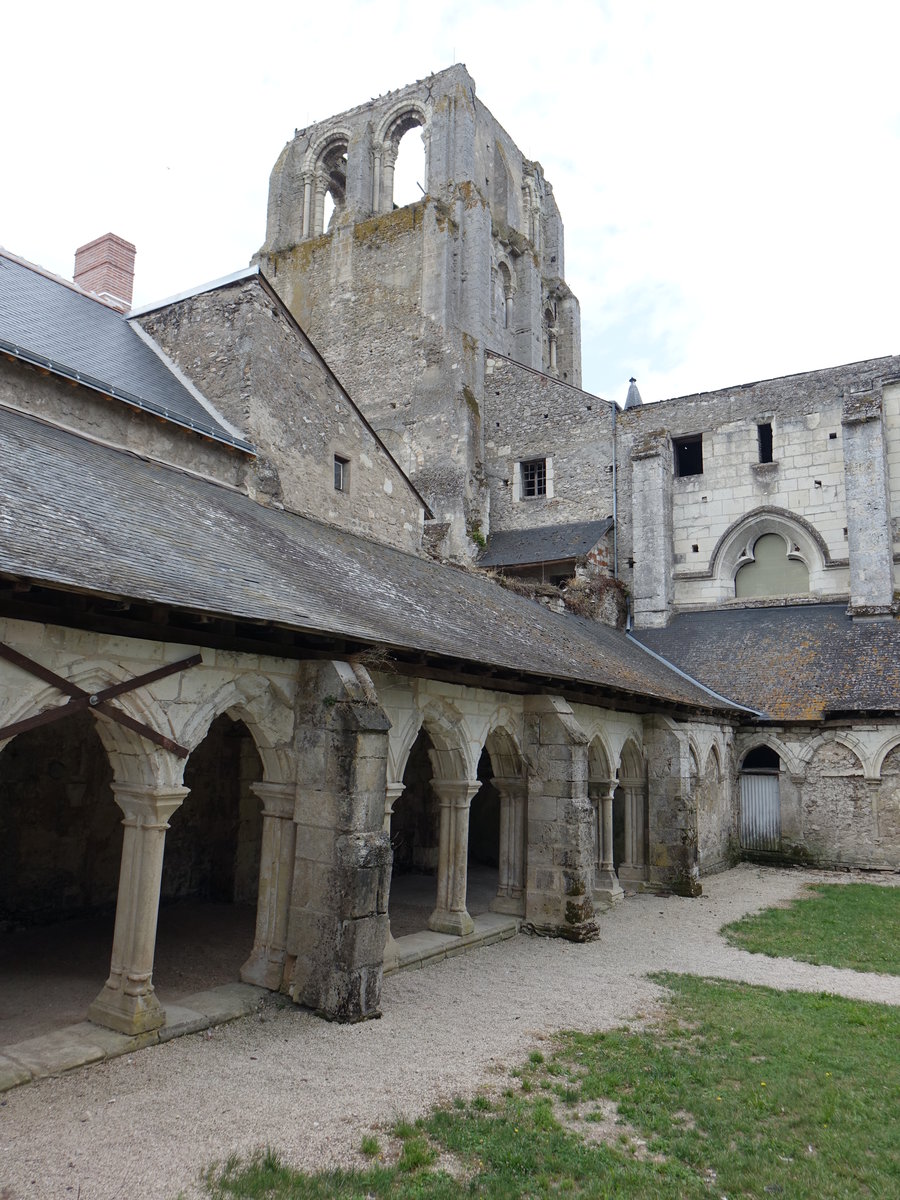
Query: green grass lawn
{"x": 841, "y": 924}
{"x": 737, "y": 1091}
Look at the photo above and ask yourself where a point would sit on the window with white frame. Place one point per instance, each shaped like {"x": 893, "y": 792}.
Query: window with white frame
{"x": 533, "y": 479}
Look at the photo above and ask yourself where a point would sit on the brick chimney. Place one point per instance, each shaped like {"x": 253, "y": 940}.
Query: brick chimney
{"x": 105, "y": 267}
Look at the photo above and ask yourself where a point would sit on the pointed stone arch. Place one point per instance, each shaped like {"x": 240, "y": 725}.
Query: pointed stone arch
{"x": 630, "y": 815}
{"x": 803, "y": 544}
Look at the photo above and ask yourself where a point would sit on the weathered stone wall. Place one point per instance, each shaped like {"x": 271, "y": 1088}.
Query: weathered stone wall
{"x": 839, "y": 791}
{"x": 247, "y": 355}
{"x": 530, "y": 415}
{"x": 403, "y": 302}
{"x": 118, "y": 424}
{"x": 805, "y": 478}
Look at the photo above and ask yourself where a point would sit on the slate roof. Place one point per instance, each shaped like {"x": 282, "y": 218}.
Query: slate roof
{"x": 44, "y": 320}
{"x": 547, "y": 543}
{"x": 796, "y": 663}
{"x": 79, "y": 515}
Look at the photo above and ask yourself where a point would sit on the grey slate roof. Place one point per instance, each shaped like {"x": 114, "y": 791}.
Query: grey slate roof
{"x": 547, "y": 543}
{"x": 792, "y": 663}
{"x": 79, "y": 515}
{"x": 44, "y": 321}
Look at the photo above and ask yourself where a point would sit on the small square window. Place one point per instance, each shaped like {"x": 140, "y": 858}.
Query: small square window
{"x": 688, "y": 455}
{"x": 534, "y": 478}
{"x": 341, "y": 474}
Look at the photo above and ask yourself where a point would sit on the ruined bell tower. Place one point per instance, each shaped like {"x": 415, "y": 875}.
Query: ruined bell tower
{"x": 403, "y": 302}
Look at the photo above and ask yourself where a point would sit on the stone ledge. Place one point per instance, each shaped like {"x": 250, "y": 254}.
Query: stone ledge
{"x": 85, "y": 1043}
{"x": 419, "y": 949}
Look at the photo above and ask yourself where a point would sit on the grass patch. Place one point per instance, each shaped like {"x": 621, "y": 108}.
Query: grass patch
{"x": 840, "y": 925}
{"x": 736, "y": 1091}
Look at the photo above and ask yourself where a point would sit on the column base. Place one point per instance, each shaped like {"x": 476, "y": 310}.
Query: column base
{"x": 127, "y": 1013}
{"x": 513, "y": 906}
{"x": 264, "y": 971}
{"x": 445, "y": 921}
{"x": 607, "y": 889}
{"x": 632, "y": 875}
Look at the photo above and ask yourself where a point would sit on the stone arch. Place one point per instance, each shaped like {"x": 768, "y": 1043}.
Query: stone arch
{"x": 507, "y": 290}
{"x": 879, "y": 758}
{"x": 452, "y": 757}
{"x": 498, "y": 818}
{"x": 396, "y": 123}
{"x": 133, "y": 759}
{"x": 803, "y": 544}
{"x": 269, "y": 718}
{"x": 714, "y": 761}
{"x": 325, "y": 173}
{"x": 600, "y": 758}
{"x": 814, "y": 747}
{"x": 759, "y": 737}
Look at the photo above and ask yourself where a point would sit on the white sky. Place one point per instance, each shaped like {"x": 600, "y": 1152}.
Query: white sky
{"x": 728, "y": 174}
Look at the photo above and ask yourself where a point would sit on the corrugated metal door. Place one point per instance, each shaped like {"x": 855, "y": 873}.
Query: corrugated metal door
{"x": 760, "y": 812}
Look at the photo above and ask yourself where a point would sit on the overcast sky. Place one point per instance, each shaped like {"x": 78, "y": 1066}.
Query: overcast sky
{"x": 728, "y": 174}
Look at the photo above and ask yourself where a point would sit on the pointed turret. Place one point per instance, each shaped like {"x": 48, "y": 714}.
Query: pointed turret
{"x": 633, "y": 399}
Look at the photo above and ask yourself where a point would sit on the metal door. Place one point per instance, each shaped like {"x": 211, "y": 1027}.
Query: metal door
{"x": 760, "y": 812}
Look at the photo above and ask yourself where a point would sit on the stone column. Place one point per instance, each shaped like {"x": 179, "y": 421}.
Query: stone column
{"x": 377, "y": 155}
{"x": 651, "y": 514}
{"x": 866, "y": 480}
{"x": 560, "y": 864}
{"x": 510, "y": 896}
{"x": 450, "y": 914}
{"x": 321, "y": 190}
{"x": 606, "y": 882}
{"x": 127, "y": 1001}
{"x": 392, "y": 794}
{"x": 307, "y": 203}
{"x": 388, "y": 161}
{"x": 265, "y": 966}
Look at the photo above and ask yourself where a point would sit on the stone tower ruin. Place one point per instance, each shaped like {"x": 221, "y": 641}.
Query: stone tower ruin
{"x": 403, "y": 302}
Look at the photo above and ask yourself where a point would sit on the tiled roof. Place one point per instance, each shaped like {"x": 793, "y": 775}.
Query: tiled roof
{"x": 43, "y": 320}
{"x": 792, "y": 663}
{"x": 79, "y": 515}
{"x": 547, "y": 543}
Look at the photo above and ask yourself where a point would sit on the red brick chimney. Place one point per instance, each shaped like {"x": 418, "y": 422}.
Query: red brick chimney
{"x": 105, "y": 267}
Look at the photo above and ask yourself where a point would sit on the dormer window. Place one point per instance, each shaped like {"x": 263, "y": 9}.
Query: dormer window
{"x": 341, "y": 474}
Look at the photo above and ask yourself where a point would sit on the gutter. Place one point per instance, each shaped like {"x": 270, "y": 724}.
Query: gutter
{"x": 696, "y": 682}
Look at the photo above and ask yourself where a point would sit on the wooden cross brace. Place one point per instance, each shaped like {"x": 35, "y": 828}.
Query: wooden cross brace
{"x": 97, "y": 701}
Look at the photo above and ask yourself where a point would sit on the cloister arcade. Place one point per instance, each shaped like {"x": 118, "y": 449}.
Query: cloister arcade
{"x": 296, "y": 800}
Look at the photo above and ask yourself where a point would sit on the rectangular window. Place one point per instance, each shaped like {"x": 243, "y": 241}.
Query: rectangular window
{"x": 534, "y": 478}
{"x": 341, "y": 474}
{"x": 688, "y": 455}
{"x": 764, "y": 438}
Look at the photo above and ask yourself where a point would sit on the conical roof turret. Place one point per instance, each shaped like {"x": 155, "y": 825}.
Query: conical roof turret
{"x": 633, "y": 399}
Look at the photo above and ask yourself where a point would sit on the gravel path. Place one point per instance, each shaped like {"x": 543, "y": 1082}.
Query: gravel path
{"x": 144, "y": 1126}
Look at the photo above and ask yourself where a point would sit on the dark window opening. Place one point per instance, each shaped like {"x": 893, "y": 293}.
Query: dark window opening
{"x": 761, "y": 758}
{"x": 764, "y": 436}
{"x": 341, "y": 474}
{"x": 534, "y": 478}
{"x": 689, "y": 455}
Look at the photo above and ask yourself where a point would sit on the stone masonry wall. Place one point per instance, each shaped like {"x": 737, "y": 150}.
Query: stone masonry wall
{"x": 530, "y": 415}
{"x": 806, "y": 476}
{"x": 116, "y": 423}
{"x": 244, "y": 351}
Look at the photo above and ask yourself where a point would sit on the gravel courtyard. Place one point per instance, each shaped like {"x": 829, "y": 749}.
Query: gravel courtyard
{"x": 144, "y": 1125}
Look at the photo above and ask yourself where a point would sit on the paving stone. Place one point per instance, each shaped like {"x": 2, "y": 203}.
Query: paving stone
{"x": 180, "y": 1021}
{"x": 226, "y": 1003}
{"x": 53, "y": 1053}
{"x": 12, "y": 1073}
